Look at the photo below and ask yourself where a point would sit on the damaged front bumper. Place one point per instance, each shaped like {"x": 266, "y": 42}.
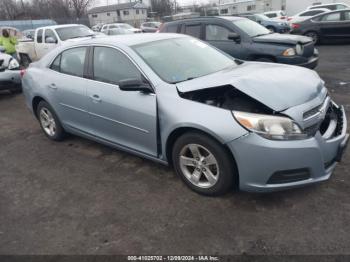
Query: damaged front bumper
{"x": 266, "y": 165}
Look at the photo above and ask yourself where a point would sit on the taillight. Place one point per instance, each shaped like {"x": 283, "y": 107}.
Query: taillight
{"x": 22, "y": 72}
{"x": 295, "y": 26}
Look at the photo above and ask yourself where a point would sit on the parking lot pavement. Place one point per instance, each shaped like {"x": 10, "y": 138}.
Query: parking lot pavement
{"x": 79, "y": 197}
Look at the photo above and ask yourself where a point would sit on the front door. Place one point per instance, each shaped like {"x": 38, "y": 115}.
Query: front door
{"x": 332, "y": 26}
{"x": 126, "y": 118}
{"x": 217, "y": 35}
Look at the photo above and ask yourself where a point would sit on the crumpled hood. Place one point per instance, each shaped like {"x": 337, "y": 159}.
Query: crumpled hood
{"x": 283, "y": 39}
{"x": 277, "y": 86}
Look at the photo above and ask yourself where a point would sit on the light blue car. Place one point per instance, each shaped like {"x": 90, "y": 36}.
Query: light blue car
{"x": 272, "y": 25}
{"x": 221, "y": 123}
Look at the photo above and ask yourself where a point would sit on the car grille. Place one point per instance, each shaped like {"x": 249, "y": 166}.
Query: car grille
{"x": 313, "y": 112}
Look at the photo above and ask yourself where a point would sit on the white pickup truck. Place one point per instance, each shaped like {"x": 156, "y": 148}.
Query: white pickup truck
{"x": 48, "y": 38}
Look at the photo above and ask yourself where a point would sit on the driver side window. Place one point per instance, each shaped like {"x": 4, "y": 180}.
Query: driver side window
{"x": 50, "y": 34}
{"x": 112, "y": 66}
{"x": 216, "y": 33}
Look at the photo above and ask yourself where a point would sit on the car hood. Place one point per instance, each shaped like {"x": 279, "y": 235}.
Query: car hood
{"x": 282, "y": 39}
{"x": 277, "y": 86}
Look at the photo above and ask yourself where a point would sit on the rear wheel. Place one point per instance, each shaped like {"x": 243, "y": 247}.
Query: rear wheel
{"x": 49, "y": 122}
{"x": 25, "y": 60}
{"x": 315, "y": 37}
{"x": 204, "y": 164}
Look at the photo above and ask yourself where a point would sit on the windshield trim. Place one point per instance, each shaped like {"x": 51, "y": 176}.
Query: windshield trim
{"x": 133, "y": 47}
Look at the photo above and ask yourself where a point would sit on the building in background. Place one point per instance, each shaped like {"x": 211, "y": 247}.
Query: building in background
{"x": 295, "y": 6}
{"x": 234, "y": 7}
{"x": 133, "y": 13}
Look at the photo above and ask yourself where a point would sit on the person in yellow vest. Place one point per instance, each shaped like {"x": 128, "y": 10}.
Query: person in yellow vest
{"x": 9, "y": 43}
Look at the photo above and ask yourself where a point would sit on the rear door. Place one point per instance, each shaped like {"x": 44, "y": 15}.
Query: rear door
{"x": 67, "y": 87}
{"x": 125, "y": 118}
{"x": 332, "y": 26}
{"x": 217, "y": 35}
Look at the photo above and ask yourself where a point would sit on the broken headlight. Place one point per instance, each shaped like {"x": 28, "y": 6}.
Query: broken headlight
{"x": 270, "y": 127}
{"x": 13, "y": 64}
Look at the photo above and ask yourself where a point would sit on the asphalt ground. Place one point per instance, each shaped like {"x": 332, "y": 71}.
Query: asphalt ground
{"x": 79, "y": 197}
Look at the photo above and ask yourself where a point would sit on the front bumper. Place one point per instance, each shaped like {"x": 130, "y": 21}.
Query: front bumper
{"x": 10, "y": 79}
{"x": 294, "y": 163}
{"x": 310, "y": 62}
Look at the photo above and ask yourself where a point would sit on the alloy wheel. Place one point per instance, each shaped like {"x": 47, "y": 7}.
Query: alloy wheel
{"x": 199, "y": 166}
{"x": 47, "y": 122}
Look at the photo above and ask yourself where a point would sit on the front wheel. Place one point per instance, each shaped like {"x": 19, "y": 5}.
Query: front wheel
{"x": 49, "y": 122}
{"x": 203, "y": 164}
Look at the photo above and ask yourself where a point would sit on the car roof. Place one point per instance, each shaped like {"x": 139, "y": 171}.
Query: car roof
{"x": 128, "y": 40}
{"x": 59, "y": 26}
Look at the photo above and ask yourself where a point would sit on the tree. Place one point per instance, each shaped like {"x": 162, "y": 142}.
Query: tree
{"x": 9, "y": 9}
{"x": 80, "y": 6}
{"x": 162, "y": 7}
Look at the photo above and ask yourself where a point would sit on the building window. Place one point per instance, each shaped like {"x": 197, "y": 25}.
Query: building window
{"x": 94, "y": 16}
{"x": 250, "y": 7}
{"x": 137, "y": 11}
{"x": 224, "y": 11}
{"x": 108, "y": 14}
{"x": 125, "y": 12}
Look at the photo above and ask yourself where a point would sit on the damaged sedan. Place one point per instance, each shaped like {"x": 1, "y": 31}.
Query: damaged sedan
{"x": 221, "y": 123}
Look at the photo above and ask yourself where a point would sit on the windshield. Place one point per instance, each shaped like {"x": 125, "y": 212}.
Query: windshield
{"x": 66, "y": 33}
{"x": 180, "y": 59}
{"x": 251, "y": 28}
{"x": 125, "y": 26}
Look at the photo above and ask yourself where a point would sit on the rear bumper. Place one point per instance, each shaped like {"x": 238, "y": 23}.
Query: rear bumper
{"x": 310, "y": 62}
{"x": 10, "y": 79}
{"x": 267, "y": 166}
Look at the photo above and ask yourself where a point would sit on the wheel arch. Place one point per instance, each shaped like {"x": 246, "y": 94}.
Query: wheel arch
{"x": 35, "y": 102}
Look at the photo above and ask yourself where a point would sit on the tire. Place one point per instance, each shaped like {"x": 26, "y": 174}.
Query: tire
{"x": 212, "y": 178}
{"x": 265, "y": 60}
{"x": 314, "y": 35}
{"x": 272, "y": 29}
{"x": 49, "y": 122}
{"x": 25, "y": 60}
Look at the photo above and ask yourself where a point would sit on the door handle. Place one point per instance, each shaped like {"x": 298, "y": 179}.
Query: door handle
{"x": 96, "y": 98}
{"x": 53, "y": 86}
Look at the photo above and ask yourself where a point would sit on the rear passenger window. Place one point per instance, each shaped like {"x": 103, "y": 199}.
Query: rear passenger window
{"x": 347, "y": 15}
{"x": 216, "y": 33}
{"x": 193, "y": 30}
{"x": 332, "y": 17}
{"x": 72, "y": 61}
{"x": 56, "y": 64}
{"x": 171, "y": 28}
{"x": 39, "y": 37}
{"x": 111, "y": 66}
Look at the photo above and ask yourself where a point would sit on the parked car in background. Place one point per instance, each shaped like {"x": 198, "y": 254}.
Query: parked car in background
{"x": 117, "y": 31}
{"x": 29, "y": 34}
{"x": 150, "y": 27}
{"x": 248, "y": 40}
{"x": 302, "y": 16}
{"x": 272, "y": 25}
{"x": 277, "y": 15}
{"x": 329, "y": 27}
{"x": 123, "y": 26}
{"x": 48, "y": 38}
{"x": 332, "y": 7}
{"x": 97, "y": 28}
{"x": 176, "y": 100}
{"x": 10, "y": 78}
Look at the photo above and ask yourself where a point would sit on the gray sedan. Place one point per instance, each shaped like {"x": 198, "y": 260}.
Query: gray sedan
{"x": 221, "y": 123}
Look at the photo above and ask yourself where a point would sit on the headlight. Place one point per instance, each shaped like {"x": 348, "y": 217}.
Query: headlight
{"x": 289, "y": 52}
{"x": 299, "y": 49}
{"x": 13, "y": 64}
{"x": 270, "y": 127}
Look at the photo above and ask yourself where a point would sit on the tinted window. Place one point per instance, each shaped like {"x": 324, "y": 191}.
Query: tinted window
{"x": 111, "y": 66}
{"x": 189, "y": 58}
{"x": 340, "y": 7}
{"x": 271, "y": 15}
{"x": 311, "y": 13}
{"x": 56, "y": 64}
{"x": 50, "y": 33}
{"x": 193, "y": 30}
{"x": 39, "y": 37}
{"x": 347, "y": 15}
{"x": 332, "y": 17}
{"x": 171, "y": 28}
{"x": 72, "y": 61}
{"x": 216, "y": 33}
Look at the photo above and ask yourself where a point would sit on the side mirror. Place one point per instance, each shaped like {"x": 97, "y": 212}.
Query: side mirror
{"x": 135, "y": 85}
{"x": 234, "y": 36}
{"x": 51, "y": 40}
